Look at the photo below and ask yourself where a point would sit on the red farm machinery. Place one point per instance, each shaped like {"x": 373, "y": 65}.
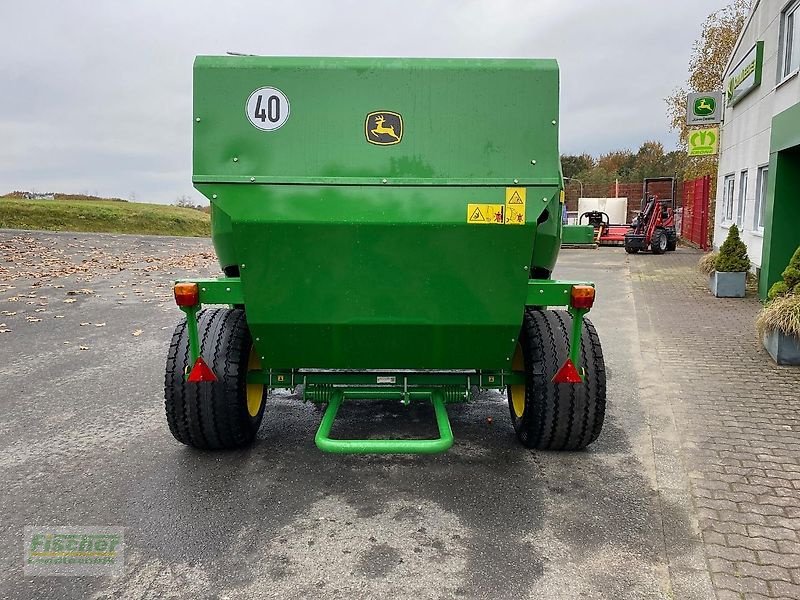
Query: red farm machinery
{"x": 654, "y": 226}
{"x": 605, "y": 233}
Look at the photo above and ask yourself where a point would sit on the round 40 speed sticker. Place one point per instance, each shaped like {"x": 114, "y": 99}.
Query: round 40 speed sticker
{"x": 267, "y": 108}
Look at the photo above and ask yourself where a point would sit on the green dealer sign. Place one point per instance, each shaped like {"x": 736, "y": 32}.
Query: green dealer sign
{"x": 746, "y": 76}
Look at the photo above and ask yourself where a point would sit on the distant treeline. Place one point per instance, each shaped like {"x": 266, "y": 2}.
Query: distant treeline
{"x": 22, "y": 195}
{"x": 624, "y": 165}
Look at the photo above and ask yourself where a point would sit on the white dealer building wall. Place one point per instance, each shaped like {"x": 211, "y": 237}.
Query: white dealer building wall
{"x": 745, "y": 140}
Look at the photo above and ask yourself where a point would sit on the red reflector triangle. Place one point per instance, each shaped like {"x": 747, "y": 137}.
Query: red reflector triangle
{"x": 568, "y": 374}
{"x": 201, "y": 372}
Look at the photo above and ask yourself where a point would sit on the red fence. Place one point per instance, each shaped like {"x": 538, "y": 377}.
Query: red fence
{"x": 630, "y": 190}
{"x": 694, "y": 225}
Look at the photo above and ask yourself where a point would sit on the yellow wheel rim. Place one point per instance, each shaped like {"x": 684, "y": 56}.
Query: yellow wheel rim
{"x": 255, "y": 391}
{"x": 518, "y": 391}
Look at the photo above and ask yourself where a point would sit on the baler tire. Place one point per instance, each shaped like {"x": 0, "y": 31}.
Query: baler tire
{"x": 212, "y": 415}
{"x": 558, "y": 416}
{"x": 630, "y": 250}
{"x": 658, "y": 243}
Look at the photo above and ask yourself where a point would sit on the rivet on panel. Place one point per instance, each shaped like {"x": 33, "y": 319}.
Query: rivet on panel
{"x": 516, "y": 181}
{"x": 544, "y": 199}
{"x": 213, "y": 196}
{"x": 384, "y": 181}
{"x": 243, "y": 265}
{"x": 553, "y": 122}
{"x": 252, "y": 179}
{"x": 533, "y": 162}
{"x": 235, "y": 159}
{"x": 197, "y": 119}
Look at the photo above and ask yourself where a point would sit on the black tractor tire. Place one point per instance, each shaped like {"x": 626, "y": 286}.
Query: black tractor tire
{"x": 630, "y": 250}
{"x": 672, "y": 244}
{"x": 557, "y": 416}
{"x": 212, "y": 415}
{"x": 658, "y": 243}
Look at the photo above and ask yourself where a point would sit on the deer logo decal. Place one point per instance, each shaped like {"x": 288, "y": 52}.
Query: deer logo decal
{"x": 705, "y": 106}
{"x": 384, "y": 128}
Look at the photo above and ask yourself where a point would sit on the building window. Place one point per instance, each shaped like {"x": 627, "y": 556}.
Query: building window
{"x": 727, "y": 198}
{"x": 741, "y": 205}
{"x": 790, "y": 40}
{"x": 761, "y": 197}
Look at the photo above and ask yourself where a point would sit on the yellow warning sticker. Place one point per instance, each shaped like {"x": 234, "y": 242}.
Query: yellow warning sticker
{"x": 486, "y": 214}
{"x": 515, "y": 206}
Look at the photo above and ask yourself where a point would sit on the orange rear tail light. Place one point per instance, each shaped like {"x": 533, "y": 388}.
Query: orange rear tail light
{"x": 187, "y": 294}
{"x": 581, "y": 296}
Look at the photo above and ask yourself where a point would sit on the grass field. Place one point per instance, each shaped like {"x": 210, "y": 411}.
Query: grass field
{"x": 102, "y": 216}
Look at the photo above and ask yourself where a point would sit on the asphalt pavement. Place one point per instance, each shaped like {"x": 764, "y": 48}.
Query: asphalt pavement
{"x": 86, "y": 320}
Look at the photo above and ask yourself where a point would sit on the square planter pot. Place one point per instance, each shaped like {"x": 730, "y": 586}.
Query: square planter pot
{"x": 784, "y": 349}
{"x": 727, "y": 285}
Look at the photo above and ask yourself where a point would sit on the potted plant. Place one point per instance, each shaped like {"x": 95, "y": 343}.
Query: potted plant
{"x": 779, "y": 320}
{"x": 730, "y": 267}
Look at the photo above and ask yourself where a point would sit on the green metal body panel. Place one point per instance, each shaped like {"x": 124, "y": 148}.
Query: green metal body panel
{"x": 782, "y": 211}
{"x": 575, "y": 235}
{"x": 353, "y": 255}
{"x": 472, "y": 121}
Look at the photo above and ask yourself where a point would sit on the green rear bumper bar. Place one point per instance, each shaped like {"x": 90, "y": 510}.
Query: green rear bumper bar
{"x": 430, "y": 446}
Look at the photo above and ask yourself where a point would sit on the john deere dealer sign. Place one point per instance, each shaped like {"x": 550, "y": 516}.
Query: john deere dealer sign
{"x": 746, "y": 76}
{"x": 704, "y": 109}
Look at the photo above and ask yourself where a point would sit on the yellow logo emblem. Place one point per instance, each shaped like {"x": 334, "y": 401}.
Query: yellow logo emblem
{"x": 384, "y": 128}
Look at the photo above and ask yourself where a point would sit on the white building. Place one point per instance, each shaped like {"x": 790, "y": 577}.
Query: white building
{"x": 762, "y": 83}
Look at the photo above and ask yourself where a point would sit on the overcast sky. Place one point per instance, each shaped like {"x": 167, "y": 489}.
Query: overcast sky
{"x": 96, "y": 96}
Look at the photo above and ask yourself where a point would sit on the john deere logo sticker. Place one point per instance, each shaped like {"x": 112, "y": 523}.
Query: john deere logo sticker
{"x": 705, "y": 106}
{"x": 384, "y": 128}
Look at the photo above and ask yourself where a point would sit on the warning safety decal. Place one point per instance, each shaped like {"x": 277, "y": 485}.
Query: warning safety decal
{"x": 515, "y": 206}
{"x": 510, "y": 213}
{"x": 486, "y": 213}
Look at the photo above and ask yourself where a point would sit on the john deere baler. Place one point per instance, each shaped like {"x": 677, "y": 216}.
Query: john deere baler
{"x": 387, "y": 229}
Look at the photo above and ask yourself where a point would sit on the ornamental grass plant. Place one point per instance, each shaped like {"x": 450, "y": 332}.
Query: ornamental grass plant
{"x": 707, "y": 262}
{"x": 782, "y": 310}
